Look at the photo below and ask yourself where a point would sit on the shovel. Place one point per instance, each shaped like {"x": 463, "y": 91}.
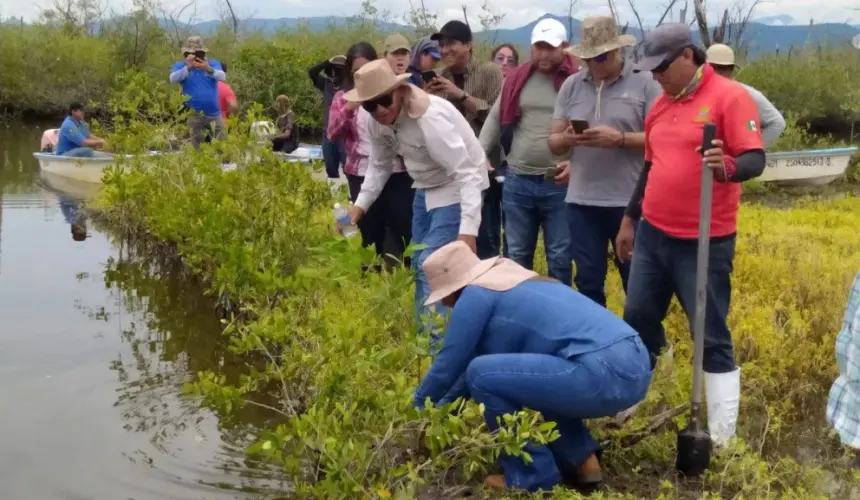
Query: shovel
{"x": 694, "y": 442}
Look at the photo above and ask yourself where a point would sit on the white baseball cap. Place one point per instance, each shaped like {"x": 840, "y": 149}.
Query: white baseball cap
{"x": 550, "y": 31}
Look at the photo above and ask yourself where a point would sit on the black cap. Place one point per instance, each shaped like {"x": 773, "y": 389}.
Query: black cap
{"x": 661, "y": 43}
{"x": 454, "y": 30}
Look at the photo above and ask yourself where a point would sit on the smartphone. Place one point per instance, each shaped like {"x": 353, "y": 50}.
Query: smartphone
{"x": 579, "y": 126}
{"x": 428, "y": 76}
{"x": 551, "y": 173}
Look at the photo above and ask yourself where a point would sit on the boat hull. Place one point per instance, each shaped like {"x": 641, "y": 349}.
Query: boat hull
{"x": 87, "y": 170}
{"x": 817, "y": 167}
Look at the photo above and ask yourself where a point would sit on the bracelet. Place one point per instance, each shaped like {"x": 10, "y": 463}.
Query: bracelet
{"x": 623, "y": 139}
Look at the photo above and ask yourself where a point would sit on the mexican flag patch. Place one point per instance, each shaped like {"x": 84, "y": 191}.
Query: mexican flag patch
{"x": 751, "y": 125}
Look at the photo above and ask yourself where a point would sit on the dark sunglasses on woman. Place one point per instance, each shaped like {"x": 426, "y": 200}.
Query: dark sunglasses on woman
{"x": 384, "y": 100}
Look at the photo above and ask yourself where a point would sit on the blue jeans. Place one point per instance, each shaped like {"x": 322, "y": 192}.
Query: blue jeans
{"x": 434, "y": 228}
{"x": 334, "y": 156}
{"x": 489, "y": 241}
{"x": 590, "y": 229}
{"x": 81, "y": 152}
{"x": 565, "y": 391}
{"x": 531, "y": 203}
{"x": 664, "y": 266}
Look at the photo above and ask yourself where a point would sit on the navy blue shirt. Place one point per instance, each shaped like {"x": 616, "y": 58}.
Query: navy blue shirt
{"x": 201, "y": 88}
{"x": 71, "y": 136}
{"x": 535, "y": 317}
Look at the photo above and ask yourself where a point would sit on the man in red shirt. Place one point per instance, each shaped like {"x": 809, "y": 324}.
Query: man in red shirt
{"x": 667, "y": 200}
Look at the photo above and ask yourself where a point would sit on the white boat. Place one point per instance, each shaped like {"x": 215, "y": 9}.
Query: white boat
{"x": 80, "y": 169}
{"x": 815, "y": 167}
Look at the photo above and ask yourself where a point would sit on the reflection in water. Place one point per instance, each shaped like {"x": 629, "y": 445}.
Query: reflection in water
{"x": 98, "y": 337}
{"x": 175, "y": 334}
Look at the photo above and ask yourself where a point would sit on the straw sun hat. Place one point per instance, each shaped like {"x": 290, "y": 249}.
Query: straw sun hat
{"x": 454, "y": 267}
{"x": 373, "y": 80}
{"x": 599, "y": 35}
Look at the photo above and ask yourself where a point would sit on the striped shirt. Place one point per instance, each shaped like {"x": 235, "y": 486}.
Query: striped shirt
{"x": 843, "y": 405}
{"x": 482, "y": 82}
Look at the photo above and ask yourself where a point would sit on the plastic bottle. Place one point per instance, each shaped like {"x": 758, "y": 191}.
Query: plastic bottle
{"x": 344, "y": 223}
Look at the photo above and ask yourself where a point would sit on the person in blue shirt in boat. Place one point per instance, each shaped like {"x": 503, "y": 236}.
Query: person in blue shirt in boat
{"x": 199, "y": 78}
{"x": 75, "y": 138}
{"x": 517, "y": 340}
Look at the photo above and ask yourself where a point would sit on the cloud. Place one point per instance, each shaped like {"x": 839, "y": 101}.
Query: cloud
{"x": 515, "y": 12}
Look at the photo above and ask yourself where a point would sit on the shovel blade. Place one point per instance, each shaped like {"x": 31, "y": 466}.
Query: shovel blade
{"x": 694, "y": 452}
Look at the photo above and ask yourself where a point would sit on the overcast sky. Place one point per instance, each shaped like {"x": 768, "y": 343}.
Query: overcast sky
{"x": 517, "y": 12}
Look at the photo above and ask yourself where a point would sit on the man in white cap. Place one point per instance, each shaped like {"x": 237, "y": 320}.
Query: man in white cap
{"x": 722, "y": 58}
{"x": 441, "y": 154}
{"x": 520, "y": 120}
{"x": 606, "y": 157}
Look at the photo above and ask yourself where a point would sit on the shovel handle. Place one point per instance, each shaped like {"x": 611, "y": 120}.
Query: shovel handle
{"x": 705, "y": 198}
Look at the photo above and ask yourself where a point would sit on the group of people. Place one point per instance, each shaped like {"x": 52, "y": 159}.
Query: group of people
{"x": 588, "y": 145}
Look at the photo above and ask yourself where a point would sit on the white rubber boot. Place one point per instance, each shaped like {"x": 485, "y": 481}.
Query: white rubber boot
{"x": 723, "y": 395}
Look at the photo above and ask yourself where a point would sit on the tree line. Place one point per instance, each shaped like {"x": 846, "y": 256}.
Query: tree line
{"x": 78, "y": 50}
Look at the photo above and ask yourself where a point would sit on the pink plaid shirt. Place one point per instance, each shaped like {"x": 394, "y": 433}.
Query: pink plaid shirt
{"x": 351, "y": 127}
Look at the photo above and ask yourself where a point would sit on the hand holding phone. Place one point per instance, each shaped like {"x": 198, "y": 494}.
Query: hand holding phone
{"x": 579, "y": 126}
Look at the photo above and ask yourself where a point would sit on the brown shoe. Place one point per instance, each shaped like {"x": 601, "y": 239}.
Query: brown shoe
{"x": 587, "y": 477}
{"x": 589, "y": 471}
{"x": 495, "y": 481}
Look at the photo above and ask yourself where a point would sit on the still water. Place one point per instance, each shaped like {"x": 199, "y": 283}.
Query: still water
{"x": 96, "y": 339}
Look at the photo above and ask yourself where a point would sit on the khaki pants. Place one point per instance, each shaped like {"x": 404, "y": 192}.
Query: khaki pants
{"x": 198, "y": 125}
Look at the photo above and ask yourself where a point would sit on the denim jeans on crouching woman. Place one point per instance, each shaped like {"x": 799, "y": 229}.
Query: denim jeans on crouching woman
{"x": 566, "y": 391}
{"x": 434, "y": 228}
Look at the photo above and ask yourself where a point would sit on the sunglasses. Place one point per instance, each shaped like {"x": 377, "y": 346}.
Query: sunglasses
{"x": 663, "y": 66}
{"x": 199, "y": 54}
{"x": 383, "y": 101}
{"x": 600, "y": 58}
{"x": 503, "y": 60}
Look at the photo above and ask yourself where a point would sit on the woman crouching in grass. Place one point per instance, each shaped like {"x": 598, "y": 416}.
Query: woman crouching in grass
{"x": 516, "y": 340}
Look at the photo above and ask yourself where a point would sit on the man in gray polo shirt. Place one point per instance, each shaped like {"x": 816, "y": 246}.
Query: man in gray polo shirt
{"x": 606, "y": 158}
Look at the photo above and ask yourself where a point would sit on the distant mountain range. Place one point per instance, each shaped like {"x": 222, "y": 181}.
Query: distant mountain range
{"x": 765, "y": 35}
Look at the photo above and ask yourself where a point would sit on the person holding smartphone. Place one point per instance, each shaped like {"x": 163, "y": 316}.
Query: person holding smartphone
{"x": 199, "y": 77}
{"x": 598, "y": 121}
{"x": 520, "y": 121}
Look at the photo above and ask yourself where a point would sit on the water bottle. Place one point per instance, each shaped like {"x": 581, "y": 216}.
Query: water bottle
{"x": 344, "y": 223}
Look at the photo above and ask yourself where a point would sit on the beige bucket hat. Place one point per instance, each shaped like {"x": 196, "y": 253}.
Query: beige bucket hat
{"x": 194, "y": 44}
{"x": 455, "y": 266}
{"x": 373, "y": 80}
{"x": 599, "y": 35}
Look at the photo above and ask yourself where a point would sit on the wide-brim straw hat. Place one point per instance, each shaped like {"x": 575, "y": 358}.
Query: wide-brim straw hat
{"x": 599, "y": 35}
{"x": 454, "y": 267}
{"x": 373, "y": 80}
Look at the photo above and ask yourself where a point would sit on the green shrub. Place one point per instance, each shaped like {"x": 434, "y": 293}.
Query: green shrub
{"x": 332, "y": 356}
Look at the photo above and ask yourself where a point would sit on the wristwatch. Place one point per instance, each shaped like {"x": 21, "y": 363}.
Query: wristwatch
{"x": 465, "y": 96}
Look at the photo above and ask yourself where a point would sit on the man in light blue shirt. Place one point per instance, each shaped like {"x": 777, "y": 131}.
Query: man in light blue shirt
{"x": 199, "y": 78}
{"x": 722, "y": 58}
{"x": 75, "y": 138}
